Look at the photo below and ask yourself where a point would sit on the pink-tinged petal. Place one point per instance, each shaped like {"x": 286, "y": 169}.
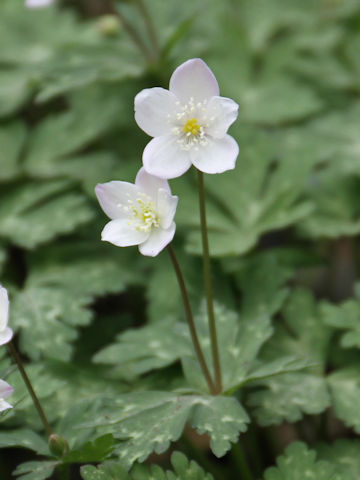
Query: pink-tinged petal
{"x": 153, "y": 109}
{"x": 166, "y": 208}
{"x": 224, "y": 112}
{"x": 114, "y": 197}
{"x": 164, "y": 158}
{"x": 38, "y": 3}
{"x": 150, "y": 184}
{"x": 194, "y": 79}
{"x": 4, "y": 308}
{"x": 5, "y": 389}
{"x": 120, "y": 233}
{"x": 157, "y": 241}
{"x": 217, "y": 157}
{"x": 5, "y": 335}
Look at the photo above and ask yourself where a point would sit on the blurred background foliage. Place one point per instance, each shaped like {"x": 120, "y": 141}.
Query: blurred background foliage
{"x": 287, "y": 216}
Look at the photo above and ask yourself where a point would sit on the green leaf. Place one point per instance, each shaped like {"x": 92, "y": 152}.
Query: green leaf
{"x": 16, "y": 88}
{"x": 344, "y": 454}
{"x": 299, "y": 463}
{"x": 145, "y": 349}
{"x": 95, "y": 451}
{"x": 345, "y": 316}
{"x": 240, "y": 207}
{"x": 286, "y": 397}
{"x": 268, "y": 103}
{"x": 345, "y": 390}
{"x": 24, "y": 438}
{"x": 107, "y": 471}
{"x": 36, "y": 470}
{"x": 34, "y": 213}
{"x": 183, "y": 470}
{"x": 92, "y": 112}
{"x": 12, "y": 136}
{"x": 149, "y": 422}
{"x": 47, "y": 317}
{"x": 303, "y": 333}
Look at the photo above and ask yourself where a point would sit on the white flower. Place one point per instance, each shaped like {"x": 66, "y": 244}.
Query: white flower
{"x": 189, "y": 122}
{"x": 5, "y": 332}
{"x": 141, "y": 213}
{"x": 5, "y": 391}
{"x": 38, "y": 3}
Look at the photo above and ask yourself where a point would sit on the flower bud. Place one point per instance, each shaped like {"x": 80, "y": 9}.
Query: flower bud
{"x": 109, "y": 25}
{"x": 58, "y": 445}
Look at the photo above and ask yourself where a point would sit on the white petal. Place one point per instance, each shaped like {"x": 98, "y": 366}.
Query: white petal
{"x": 120, "y": 233}
{"x": 164, "y": 158}
{"x": 157, "y": 241}
{"x": 114, "y": 196}
{"x": 166, "y": 208}
{"x": 5, "y": 335}
{"x": 4, "y": 308}
{"x": 224, "y": 111}
{"x": 194, "y": 79}
{"x": 5, "y": 389}
{"x": 38, "y": 3}
{"x": 153, "y": 106}
{"x": 150, "y": 184}
{"x": 4, "y": 405}
{"x": 217, "y": 157}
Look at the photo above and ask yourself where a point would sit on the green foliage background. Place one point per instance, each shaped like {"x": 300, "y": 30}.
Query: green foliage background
{"x": 102, "y": 329}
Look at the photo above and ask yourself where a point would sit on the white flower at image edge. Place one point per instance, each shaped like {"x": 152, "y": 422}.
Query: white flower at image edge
{"x": 189, "y": 122}
{"x": 5, "y": 391}
{"x": 141, "y": 213}
{"x": 38, "y": 3}
{"x": 5, "y": 332}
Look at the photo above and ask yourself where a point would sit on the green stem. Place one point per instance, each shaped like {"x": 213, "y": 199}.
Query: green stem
{"x": 26, "y": 379}
{"x": 149, "y": 26}
{"x": 208, "y": 284}
{"x": 133, "y": 35}
{"x": 190, "y": 320}
{"x": 63, "y": 472}
{"x": 241, "y": 462}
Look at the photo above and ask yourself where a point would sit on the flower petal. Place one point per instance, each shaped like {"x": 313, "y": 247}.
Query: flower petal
{"x": 224, "y": 111}
{"x": 166, "y": 208}
{"x": 217, "y": 157}
{"x": 164, "y": 158}
{"x": 38, "y": 3}
{"x": 5, "y": 335}
{"x": 193, "y": 79}
{"x": 4, "y": 405}
{"x": 150, "y": 184}
{"x": 152, "y": 109}
{"x": 5, "y": 389}
{"x": 157, "y": 241}
{"x": 113, "y": 197}
{"x": 4, "y": 308}
{"x": 120, "y": 233}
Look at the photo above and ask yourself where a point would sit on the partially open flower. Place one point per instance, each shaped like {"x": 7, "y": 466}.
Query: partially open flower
{"x": 5, "y": 332}
{"x": 141, "y": 213}
{"x": 189, "y": 122}
{"x": 38, "y": 3}
{"x": 5, "y": 391}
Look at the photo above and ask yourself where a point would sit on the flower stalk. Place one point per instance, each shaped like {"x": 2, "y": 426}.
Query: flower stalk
{"x": 190, "y": 320}
{"x": 31, "y": 391}
{"x": 150, "y": 27}
{"x": 208, "y": 285}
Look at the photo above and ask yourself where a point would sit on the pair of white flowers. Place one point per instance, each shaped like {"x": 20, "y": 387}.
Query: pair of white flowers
{"x": 189, "y": 123}
{"x": 5, "y": 336}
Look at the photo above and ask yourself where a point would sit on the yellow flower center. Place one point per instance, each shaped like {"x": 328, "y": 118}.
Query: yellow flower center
{"x": 192, "y": 127}
{"x": 144, "y": 210}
